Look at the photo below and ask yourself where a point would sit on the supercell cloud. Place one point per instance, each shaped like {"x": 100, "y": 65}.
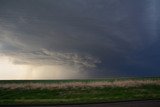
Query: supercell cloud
{"x": 59, "y": 39}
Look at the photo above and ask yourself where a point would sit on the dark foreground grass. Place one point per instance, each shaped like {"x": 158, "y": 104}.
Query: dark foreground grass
{"x": 78, "y": 95}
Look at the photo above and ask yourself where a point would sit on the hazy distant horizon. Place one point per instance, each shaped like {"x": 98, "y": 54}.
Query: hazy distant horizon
{"x": 79, "y": 39}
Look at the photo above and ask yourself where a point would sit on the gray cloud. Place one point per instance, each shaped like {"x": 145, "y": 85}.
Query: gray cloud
{"x": 112, "y": 35}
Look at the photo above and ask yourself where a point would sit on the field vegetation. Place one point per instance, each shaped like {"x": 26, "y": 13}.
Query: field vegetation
{"x": 78, "y": 91}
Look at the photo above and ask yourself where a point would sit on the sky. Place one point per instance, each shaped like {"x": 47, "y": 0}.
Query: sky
{"x": 79, "y": 39}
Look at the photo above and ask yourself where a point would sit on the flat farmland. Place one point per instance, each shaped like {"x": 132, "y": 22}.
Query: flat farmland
{"x": 26, "y": 92}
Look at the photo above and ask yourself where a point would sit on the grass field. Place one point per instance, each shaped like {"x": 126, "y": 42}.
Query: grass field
{"x": 78, "y": 91}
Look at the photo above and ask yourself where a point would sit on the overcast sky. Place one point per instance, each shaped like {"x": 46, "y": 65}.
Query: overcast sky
{"x": 66, "y": 39}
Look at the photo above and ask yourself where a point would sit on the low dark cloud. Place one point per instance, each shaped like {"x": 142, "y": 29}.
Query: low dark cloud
{"x": 103, "y": 37}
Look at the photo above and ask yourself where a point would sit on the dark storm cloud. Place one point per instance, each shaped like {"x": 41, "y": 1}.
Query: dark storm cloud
{"x": 119, "y": 37}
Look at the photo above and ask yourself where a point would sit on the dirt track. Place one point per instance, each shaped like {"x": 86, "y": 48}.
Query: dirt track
{"x": 119, "y": 104}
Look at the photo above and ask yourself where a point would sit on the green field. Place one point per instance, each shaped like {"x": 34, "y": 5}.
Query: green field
{"x": 78, "y": 91}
